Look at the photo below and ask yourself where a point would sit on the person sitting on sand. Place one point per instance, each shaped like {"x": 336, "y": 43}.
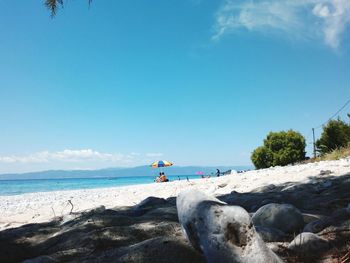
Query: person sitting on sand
{"x": 158, "y": 179}
{"x": 163, "y": 178}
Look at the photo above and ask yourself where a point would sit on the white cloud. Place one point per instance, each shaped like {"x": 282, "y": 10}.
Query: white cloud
{"x": 326, "y": 19}
{"x": 66, "y": 156}
{"x": 70, "y": 159}
{"x": 321, "y": 10}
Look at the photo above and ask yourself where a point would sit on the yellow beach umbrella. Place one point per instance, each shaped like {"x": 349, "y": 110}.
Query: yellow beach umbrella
{"x": 163, "y": 163}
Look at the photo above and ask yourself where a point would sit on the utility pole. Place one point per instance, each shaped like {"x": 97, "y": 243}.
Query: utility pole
{"x": 313, "y": 135}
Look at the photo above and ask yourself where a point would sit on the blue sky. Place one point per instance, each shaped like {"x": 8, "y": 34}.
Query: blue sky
{"x": 196, "y": 82}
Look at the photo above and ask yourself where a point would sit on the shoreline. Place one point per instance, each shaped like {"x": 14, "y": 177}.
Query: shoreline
{"x": 172, "y": 178}
{"x": 17, "y": 210}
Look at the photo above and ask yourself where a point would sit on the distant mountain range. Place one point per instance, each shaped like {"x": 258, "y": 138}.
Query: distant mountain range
{"x": 120, "y": 172}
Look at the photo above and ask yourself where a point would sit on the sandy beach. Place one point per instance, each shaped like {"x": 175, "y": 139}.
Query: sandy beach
{"x": 40, "y": 207}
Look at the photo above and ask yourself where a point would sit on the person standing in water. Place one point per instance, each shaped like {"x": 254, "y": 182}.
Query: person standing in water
{"x": 217, "y": 172}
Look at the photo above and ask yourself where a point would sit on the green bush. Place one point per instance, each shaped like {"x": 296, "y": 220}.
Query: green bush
{"x": 280, "y": 148}
{"x": 336, "y": 134}
{"x": 262, "y": 157}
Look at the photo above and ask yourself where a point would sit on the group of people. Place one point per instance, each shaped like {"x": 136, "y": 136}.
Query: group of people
{"x": 161, "y": 178}
{"x": 218, "y": 173}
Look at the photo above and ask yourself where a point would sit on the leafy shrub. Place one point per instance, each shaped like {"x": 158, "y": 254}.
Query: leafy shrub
{"x": 262, "y": 157}
{"x": 280, "y": 148}
{"x": 336, "y": 134}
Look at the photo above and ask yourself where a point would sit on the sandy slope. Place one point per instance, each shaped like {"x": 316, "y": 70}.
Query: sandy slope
{"x": 38, "y": 207}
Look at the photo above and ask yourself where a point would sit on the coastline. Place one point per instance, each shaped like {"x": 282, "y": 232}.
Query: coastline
{"x": 38, "y": 207}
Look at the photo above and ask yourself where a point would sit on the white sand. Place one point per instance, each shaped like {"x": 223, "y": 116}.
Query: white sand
{"x": 40, "y": 207}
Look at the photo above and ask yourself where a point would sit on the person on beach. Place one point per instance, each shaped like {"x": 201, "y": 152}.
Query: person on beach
{"x": 158, "y": 179}
{"x": 218, "y": 172}
{"x": 163, "y": 178}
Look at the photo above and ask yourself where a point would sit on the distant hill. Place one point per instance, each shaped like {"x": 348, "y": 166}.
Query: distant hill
{"x": 119, "y": 172}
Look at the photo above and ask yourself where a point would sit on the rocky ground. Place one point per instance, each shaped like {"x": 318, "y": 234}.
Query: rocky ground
{"x": 308, "y": 222}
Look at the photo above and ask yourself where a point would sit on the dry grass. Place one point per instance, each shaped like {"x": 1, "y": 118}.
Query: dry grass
{"x": 345, "y": 258}
{"x": 334, "y": 155}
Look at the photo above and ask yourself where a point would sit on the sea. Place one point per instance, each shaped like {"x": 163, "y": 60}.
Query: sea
{"x": 16, "y": 187}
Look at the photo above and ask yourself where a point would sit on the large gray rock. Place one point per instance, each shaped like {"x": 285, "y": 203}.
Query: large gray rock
{"x": 337, "y": 218}
{"x": 150, "y": 202}
{"x": 41, "y": 259}
{"x": 160, "y": 250}
{"x": 308, "y": 243}
{"x": 308, "y": 218}
{"x": 316, "y": 226}
{"x": 284, "y": 217}
{"x": 270, "y": 234}
{"x": 222, "y": 233}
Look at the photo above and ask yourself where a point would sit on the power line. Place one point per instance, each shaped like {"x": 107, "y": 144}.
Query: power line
{"x": 307, "y": 137}
{"x": 335, "y": 114}
{"x": 313, "y": 129}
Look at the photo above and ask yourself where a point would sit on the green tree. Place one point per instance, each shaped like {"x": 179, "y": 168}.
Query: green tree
{"x": 53, "y": 5}
{"x": 262, "y": 157}
{"x": 280, "y": 148}
{"x": 335, "y": 134}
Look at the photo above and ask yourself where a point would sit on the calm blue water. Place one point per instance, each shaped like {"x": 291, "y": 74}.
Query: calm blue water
{"x": 15, "y": 187}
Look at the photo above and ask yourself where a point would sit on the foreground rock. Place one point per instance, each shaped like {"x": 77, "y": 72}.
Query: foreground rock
{"x": 335, "y": 219}
{"x": 222, "y": 233}
{"x": 324, "y": 203}
{"x": 283, "y": 217}
{"x": 308, "y": 243}
{"x": 270, "y": 234}
{"x": 148, "y": 232}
